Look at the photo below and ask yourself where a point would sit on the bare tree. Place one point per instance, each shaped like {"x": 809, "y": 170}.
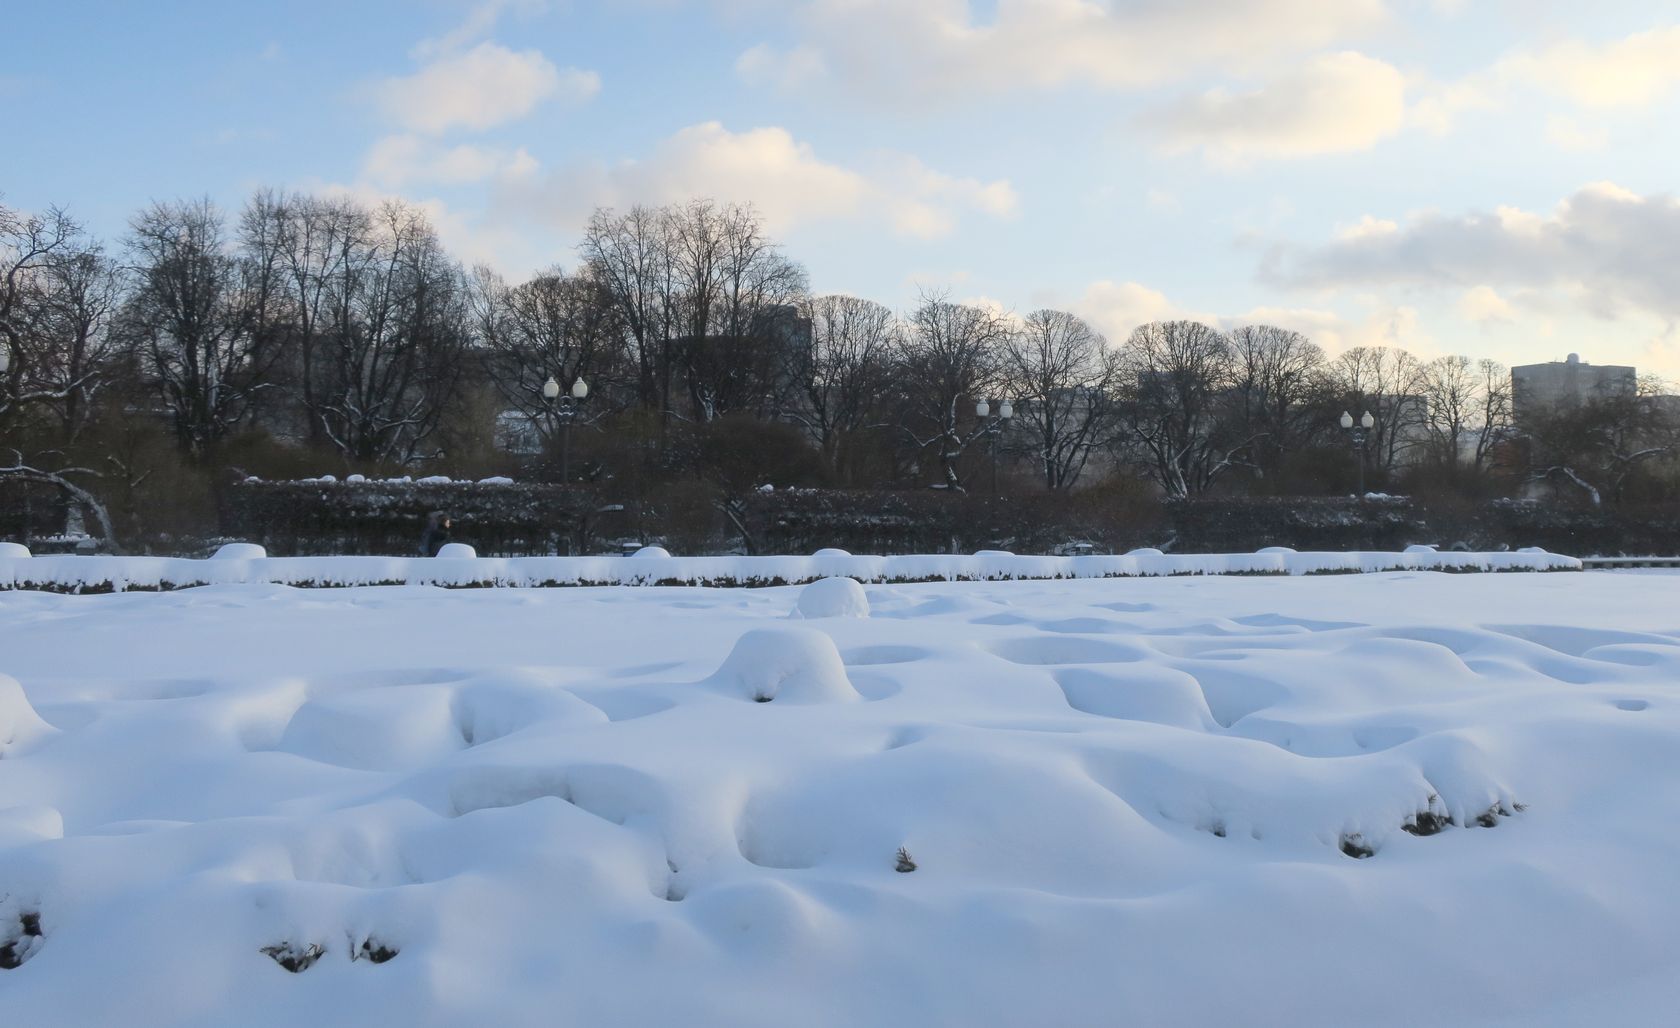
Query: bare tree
{"x": 736, "y": 294}
{"x": 555, "y": 325}
{"x": 842, "y": 369}
{"x": 75, "y": 493}
{"x": 1598, "y": 445}
{"x": 1173, "y": 375}
{"x": 192, "y": 319}
{"x": 29, "y": 244}
{"x": 314, "y": 238}
{"x": 951, "y": 356}
{"x": 1059, "y": 369}
{"x": 395, "y": 339}
{"x": 1466, "y": 409}
{"x": 1276, "y": 375}
{"x": 1388, "y": 382}
{"x": 630, "y": 254}
{"x": 71, "y": 348}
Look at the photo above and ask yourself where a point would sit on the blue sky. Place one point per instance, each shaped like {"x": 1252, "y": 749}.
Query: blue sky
{"x": 1492, "y": 177}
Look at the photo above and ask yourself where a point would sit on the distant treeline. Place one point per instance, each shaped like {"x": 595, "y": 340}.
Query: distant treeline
{"x": 307, "y": 334}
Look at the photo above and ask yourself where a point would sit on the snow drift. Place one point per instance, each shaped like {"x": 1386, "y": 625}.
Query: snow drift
{"x": 1394, "y": 798}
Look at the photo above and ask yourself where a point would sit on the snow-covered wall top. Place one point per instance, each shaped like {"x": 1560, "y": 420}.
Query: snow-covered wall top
{"x": 459, "y": 567}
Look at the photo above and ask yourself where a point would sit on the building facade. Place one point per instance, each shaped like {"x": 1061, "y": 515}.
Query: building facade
{"x": 1537, "y": 388}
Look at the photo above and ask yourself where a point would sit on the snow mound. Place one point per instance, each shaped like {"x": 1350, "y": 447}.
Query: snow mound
{"x": 491, "y": 707}
{"x": 20, "y": 826}
{"x": 832, "y": 551}
{"x": 240, "y": 551}
{"x": 650, "y": 553}
{"x": 1282, "y": 550}
{"x": 19, "y": 724}
{"x": 457, "y": 551}
{"x": 832, "y": 598}
{"x": 378, "y": 729}
{"x": 13, "y": 550}
{"x": 792, "y": 665}
{"x": 1420, "y": 548}
{"x": 1144, "y": 551}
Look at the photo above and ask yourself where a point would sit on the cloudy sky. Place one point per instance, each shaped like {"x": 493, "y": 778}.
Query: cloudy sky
{"x": 1492, "y": 177}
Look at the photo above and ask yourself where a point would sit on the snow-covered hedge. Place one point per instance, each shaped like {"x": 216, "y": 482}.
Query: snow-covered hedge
{"x": 99, "y": 574}
{"x": 385, "y": 517}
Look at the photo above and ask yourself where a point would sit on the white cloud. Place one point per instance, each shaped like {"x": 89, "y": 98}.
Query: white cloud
{"x": 1629, "y": 72}
{"x": 1116, "y": 308}
{"x": 1566, "y": 133}
{"x": 1382, "y": 324}
{"x": 765, "y": 65}
{"x": 780, "y": 175}
{"x": 1367, "y": 226}
{"x": 1632, "y": 72}
{"x": 1608, "y": 249}
{"x": 480, "y": 88}
{"x": 1437, "y": 106}
{"x": 1162, "y": 200}
{"x": 395, "y": 162}
{"x": 953, "y": 48}
{"x": 1334, "y": 103}
{"x": 1483, "y": 304}
{"x": 480, "y": 21}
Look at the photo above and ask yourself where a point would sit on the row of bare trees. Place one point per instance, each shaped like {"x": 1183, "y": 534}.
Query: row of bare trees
{"x": 346, "y": 328}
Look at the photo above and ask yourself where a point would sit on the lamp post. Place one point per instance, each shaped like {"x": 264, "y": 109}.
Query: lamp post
{"x": 993, "y": 426}
{"x": 1357, "y": 435}
{"x": 564, "y": 409}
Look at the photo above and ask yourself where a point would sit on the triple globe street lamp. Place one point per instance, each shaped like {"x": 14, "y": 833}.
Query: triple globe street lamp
{"x": 563, "y": 408}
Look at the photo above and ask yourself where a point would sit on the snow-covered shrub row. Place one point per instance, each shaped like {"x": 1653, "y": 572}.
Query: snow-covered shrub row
{"x": 459, "y": 568}
{"x": 387, "y": 516}
{"x": 364, "y": 480}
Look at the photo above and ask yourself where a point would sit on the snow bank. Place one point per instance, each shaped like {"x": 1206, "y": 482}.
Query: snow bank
{"x": 652, "y": 565}
{"x": 832, "y": 598}
{"x": 13, "y": 551}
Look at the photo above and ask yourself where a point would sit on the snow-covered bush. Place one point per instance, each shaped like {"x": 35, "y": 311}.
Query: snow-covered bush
{"x": 239, "y": 551}
{"x": 790, "y": 665}
{"x": 832, "y": 598}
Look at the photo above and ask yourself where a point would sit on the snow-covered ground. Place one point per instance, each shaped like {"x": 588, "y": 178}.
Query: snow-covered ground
{"x": 1390, "y": 799}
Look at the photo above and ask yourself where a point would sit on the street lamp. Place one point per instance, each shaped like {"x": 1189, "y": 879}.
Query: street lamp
{"x": 1357, "y": 436}
{"x": 563, "y": 412}
{"x": 992, "y": 427}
